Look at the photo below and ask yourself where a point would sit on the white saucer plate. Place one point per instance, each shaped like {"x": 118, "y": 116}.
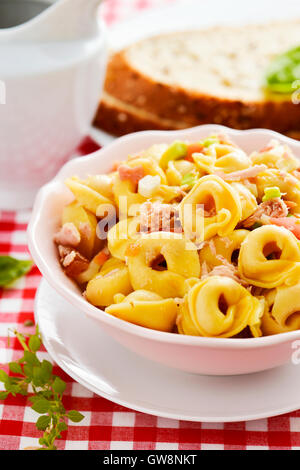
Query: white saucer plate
{"x": 108, "y": 369}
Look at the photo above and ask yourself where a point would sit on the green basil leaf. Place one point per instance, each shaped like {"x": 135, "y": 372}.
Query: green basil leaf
{"x": 43, "y": 422}
{"x": 11, "y": 269}
{"x": 14, "y": 389}
{"x": 31, "y": 358}
{"x": 46, "y": 370}
{"x": 41, "y": 406}
{"x": 62, "y": 426}
{"x": 283, "y": 72}
{"x": 3, "y": 376}
{"x": 37, "y": 377}
{"x": 28, "y": 370}
{"x": 75, "y": 416}
{"x": 34, "y": 343}
{"x": 3, "y": 395}
{"x": 59, "y": 385}
{"x": 15, "y": 368}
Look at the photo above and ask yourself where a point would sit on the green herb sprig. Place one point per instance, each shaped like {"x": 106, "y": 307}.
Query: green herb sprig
{"x": 11, "y": 269}
{"x": 47, "y": 390}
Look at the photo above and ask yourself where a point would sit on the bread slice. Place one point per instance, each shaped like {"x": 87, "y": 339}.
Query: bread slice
{"x": 119, "y": 118}
{"x": 184, "y": 79}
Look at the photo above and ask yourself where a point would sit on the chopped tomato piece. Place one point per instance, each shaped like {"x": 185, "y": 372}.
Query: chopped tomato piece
{"x": 101, "y": 257}
{"x": 193, "y": 148}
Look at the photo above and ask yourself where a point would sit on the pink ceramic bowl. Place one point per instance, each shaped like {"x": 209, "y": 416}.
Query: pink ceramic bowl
{"x": 211, "y": 356}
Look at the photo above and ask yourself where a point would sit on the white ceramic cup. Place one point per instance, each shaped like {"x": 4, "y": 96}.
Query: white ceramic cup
{"x": 50, "y": 87}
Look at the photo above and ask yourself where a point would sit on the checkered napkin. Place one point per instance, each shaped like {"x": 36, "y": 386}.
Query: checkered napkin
{"x": 106, "y": 425}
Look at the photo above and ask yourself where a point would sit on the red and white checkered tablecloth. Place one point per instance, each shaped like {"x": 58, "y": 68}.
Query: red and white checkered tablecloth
{"x": 106, "y": 425}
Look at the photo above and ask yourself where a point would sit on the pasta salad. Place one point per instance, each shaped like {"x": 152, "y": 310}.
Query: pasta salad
{"x": 194, "y": 238}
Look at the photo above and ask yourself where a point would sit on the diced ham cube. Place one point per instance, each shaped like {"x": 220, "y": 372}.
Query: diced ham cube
{"x": 68, "y": 235}
{"x": 133, "y": 174}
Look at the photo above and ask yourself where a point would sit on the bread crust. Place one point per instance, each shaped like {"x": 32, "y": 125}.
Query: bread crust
{"x": 118, "y": 118}
{"x": 176, "y": 104}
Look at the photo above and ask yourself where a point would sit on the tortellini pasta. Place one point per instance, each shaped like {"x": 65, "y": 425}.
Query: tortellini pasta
{"x": 121, "y": 235}
{"x": 177, "y": 170}
{"x": 126, "y": 188}
{"x": 150, "y": 166}
{"x": 270, "y": 257}
{"x": 288, "y": 184}
{"x": 146, "y": 309}
{"x": 248, "y": 200}
{"x": 86, "y": 196}
{"x": 212, "y": 207}
{"x": 282, "y": 313}
{"x": 194, "y": 238}
{"x": 221, "y": 157}
{"x": 103, "y": 184}
{"x": 161, "y": 262}
{"x": 276, "y": 155}
{"x": 126, "y": 195}
{"x": 223, "y": 247}
{"x": 219, "y": 307}
{"x": 86, "y": 223}
{"x": 112, "y": 279}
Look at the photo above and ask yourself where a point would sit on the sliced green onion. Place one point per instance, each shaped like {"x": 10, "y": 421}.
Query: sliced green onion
{"x": 210, "y": 141}
{"x": 271, "y": 193}
{"x": 176, "y": 151}
{"x": 189, "y": 179}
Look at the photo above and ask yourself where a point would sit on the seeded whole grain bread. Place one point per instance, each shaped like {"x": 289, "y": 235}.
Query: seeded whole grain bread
{"x": 184, "y": 79}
